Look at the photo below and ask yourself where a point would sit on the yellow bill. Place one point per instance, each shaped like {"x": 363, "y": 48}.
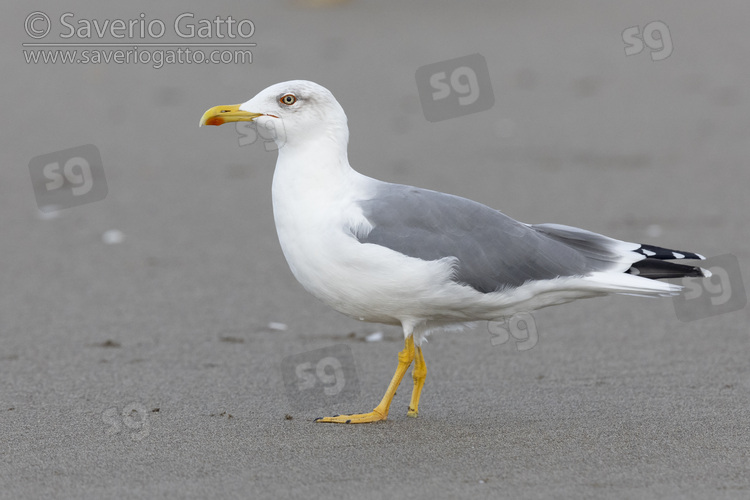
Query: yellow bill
{"x": 218, "y": 115}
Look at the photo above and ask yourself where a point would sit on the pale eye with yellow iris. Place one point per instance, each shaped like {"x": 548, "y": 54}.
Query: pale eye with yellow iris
{"x": 288, "y": 99}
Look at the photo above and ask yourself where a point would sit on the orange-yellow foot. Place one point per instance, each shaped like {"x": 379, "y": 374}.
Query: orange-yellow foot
{"x": 357, "y": 418}
{"x": 380, "y": 412}
{"x": 419, "y": 373}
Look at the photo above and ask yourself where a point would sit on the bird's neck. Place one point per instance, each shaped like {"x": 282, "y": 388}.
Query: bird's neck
{"x": 313, "y": 165}
{"x": 306, "y": 181}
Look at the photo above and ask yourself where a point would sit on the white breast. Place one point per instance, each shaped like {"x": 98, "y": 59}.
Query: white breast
{"x": 316, "y": 215}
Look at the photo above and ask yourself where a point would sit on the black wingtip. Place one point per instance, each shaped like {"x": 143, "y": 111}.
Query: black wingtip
{"x": 659, "y": 253}
{"x": 659, "y": 269}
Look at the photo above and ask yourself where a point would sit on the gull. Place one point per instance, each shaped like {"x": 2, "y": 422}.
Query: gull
{"x": 401, "y": 255}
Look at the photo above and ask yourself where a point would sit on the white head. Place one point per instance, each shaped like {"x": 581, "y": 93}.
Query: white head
{"x": 300, "y": 110}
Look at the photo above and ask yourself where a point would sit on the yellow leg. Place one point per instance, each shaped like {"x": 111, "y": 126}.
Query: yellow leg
{"x": 419, "y": 373}
{"x": 380, "y": 412}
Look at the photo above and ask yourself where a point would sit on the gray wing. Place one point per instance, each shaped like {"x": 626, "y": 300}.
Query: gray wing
{"x": 493, "y": 251}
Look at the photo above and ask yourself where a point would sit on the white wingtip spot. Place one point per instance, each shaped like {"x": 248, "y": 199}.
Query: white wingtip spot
{"x": 648, "y": 253}
{"x": 678, "y": 255}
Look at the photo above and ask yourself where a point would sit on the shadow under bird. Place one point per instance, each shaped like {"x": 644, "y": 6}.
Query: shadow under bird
{"x": 401, "y": 255}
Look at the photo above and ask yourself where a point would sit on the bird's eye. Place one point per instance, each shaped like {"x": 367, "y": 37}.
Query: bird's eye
{"x": 288, "y": 99}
